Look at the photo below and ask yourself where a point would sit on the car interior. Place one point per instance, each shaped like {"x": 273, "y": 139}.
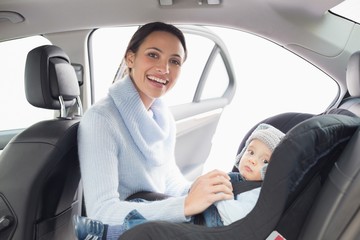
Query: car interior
{"x": 49, "y": 65}
{"x": 49, "y": 149}
{"x": 319, "y": 190}
{"x": 312, "y": 186}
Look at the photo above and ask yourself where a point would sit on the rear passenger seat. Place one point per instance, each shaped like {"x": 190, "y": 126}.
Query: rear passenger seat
{"x": 337, "y": 206}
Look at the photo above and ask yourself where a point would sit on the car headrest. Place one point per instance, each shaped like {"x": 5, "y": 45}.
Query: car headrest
{"x": 353, "y": 75}
{"x": 50, "y": 76}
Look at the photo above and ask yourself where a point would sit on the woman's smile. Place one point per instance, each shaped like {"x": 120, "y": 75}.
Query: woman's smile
{"x": 157, "y": 80}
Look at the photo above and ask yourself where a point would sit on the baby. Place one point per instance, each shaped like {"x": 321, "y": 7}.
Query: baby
{"x": 252, "y": 163}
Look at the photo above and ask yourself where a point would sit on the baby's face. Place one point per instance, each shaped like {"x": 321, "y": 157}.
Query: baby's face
{"x": 256, "y": 155}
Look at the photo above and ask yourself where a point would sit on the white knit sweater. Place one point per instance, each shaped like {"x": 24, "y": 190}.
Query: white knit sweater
{"x": 123, "y": 150}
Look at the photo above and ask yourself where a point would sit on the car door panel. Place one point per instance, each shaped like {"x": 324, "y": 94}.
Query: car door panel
{"x": 195, "y": 132}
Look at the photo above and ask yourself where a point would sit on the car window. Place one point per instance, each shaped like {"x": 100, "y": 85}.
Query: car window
{"x": 217, "y": 81}
{"x": 192, "y": 70}
{"x": 108, "y": 48}
{"x": 265, "y": 63}
{"x": 270, "y": 81}
{"x": 16, "y": 112}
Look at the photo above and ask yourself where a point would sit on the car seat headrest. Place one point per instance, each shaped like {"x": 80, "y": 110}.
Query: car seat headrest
{"x": 353, "y": 75}
{"x": 284, "y": 122}
{"x": 50, "y": 79}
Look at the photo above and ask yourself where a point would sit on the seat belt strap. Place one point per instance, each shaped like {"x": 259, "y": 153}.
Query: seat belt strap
{"x": 240, "y": 187}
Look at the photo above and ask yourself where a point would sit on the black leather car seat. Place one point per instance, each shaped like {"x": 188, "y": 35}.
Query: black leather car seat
{"x": 39, "y": 169}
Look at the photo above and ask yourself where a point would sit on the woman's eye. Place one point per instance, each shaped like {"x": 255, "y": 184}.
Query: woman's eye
{"x": 152, "y": 55}
{"x": 176, "y": 62}
{"x": 266, "y": 161}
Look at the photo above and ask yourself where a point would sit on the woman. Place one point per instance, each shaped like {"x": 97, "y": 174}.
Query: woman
{"x": 127, "y": 140}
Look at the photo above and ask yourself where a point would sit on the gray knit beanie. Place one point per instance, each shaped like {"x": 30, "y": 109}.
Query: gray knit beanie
{"x": 267, "y": 134}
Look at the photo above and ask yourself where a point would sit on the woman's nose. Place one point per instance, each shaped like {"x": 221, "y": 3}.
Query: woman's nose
{"x": 163, "y": 67}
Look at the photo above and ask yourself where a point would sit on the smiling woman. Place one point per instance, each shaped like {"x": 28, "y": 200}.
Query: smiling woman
{"x": 134, "y": 134}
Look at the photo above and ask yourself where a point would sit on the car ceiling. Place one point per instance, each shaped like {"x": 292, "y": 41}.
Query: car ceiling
{"x": 282, "y": 21}
{"x": 44, "y": 16}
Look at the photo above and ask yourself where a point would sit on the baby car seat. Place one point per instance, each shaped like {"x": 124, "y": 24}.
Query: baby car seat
{"x": 298, "y": 169}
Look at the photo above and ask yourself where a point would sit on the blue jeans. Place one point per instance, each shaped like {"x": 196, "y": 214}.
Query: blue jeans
{"x": 133, "y": 219}
{"x": 210, "y": 217}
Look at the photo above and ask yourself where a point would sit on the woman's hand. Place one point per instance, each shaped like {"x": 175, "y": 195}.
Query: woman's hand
{"x": 207, "y": 189}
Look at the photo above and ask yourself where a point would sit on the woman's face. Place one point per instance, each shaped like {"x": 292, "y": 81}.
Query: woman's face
{"x": 156, "y": 65}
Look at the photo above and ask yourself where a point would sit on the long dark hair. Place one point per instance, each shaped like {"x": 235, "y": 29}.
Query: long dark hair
{"x": 145, "y": 30}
